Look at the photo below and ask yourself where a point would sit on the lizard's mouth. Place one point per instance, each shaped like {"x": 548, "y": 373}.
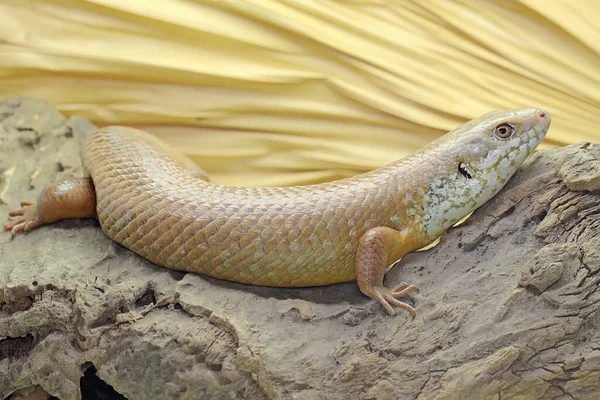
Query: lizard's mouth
{"x": 534, "y": 133}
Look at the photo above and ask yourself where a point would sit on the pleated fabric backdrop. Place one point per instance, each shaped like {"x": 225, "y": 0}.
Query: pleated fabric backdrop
{"x": 285, "y": 92}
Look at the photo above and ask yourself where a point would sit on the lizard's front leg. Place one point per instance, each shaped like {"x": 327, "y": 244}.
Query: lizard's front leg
{"x": 377, "y": 248}
{"x": 73, "y": 198}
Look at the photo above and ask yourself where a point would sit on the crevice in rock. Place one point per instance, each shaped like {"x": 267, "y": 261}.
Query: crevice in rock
{"x": 21, "y": 304}
{"x": 15, "y": 347}
{"x": 94, "y": 388}
{"x": 177, "y": 275}
{"x": 146, "y": 298}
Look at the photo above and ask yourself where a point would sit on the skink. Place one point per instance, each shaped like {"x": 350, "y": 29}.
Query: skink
{"x": 156, "y": 202}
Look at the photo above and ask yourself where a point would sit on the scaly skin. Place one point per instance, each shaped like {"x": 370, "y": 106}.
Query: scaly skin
{"x": 156, "y": 203}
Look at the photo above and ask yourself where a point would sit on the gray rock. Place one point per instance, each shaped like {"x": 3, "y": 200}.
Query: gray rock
{"x": 580, "y": 170}
{"x": 508, "y": 304}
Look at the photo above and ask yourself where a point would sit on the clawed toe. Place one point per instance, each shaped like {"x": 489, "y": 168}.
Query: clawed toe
{"x": 403, "y": 289}
{"x": 29, "y": 218}
{"x": 17, "y": 212}
{"x": 402, "y": 305}
{"x": 400, "y": 286}
{"x": 388, "y": 298}
{"x": 16, "y": 226}
{"x": 9, "y": 225}
{"x": 21, "y": 225}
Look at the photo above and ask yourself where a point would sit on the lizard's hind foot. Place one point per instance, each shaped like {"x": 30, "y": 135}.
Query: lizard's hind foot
{"x": 389, "y": 297}
{"x": 29, "y": 218}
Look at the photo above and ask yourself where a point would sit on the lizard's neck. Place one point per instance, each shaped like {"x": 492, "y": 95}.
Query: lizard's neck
{"x": 432, "y": 194}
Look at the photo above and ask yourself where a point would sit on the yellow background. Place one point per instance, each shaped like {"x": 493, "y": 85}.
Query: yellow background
{"x": 285, "y": 92}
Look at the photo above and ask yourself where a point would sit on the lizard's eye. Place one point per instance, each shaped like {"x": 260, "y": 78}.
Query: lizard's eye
{"x": 504, "y": 131}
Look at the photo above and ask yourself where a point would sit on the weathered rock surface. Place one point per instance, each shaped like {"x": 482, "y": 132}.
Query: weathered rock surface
{"x": 508, "y": 304}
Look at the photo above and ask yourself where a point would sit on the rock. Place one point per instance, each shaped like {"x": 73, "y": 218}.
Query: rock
{"x": 508, "y": 304}
{"x": 581, "y": 170}
{"x": 549, "y": 264}
{"x": 30, "y": 393}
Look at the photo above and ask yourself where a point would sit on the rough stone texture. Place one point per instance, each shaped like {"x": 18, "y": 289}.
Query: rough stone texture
{"x": 508, "y": 304}
{"x": 579, "y": 171}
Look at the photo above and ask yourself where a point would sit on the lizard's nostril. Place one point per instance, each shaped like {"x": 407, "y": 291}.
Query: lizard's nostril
{"x": 543, "y": 115}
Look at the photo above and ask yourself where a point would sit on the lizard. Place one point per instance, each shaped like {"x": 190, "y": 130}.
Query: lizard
{"x": 156, "y": 202}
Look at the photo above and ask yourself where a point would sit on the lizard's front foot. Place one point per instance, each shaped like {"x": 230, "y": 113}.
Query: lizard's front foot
{"x": 377, "y": 248}
{"x": 29, "y": 218}
{"x": 389, "y": 297}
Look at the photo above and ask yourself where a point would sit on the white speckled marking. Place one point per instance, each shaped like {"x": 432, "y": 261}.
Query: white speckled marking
{"x": 448, "y": 199}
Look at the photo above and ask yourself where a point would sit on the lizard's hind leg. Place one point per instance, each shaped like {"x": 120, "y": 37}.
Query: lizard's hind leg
{"x": 73, "y": 198}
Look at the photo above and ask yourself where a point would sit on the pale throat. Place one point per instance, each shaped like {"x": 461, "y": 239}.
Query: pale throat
{"x": 449, "y": 198}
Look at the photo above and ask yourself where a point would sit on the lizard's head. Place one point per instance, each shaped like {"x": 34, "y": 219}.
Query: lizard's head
{"x": 492, "y": 147}
{"x": 478, "y": 159}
